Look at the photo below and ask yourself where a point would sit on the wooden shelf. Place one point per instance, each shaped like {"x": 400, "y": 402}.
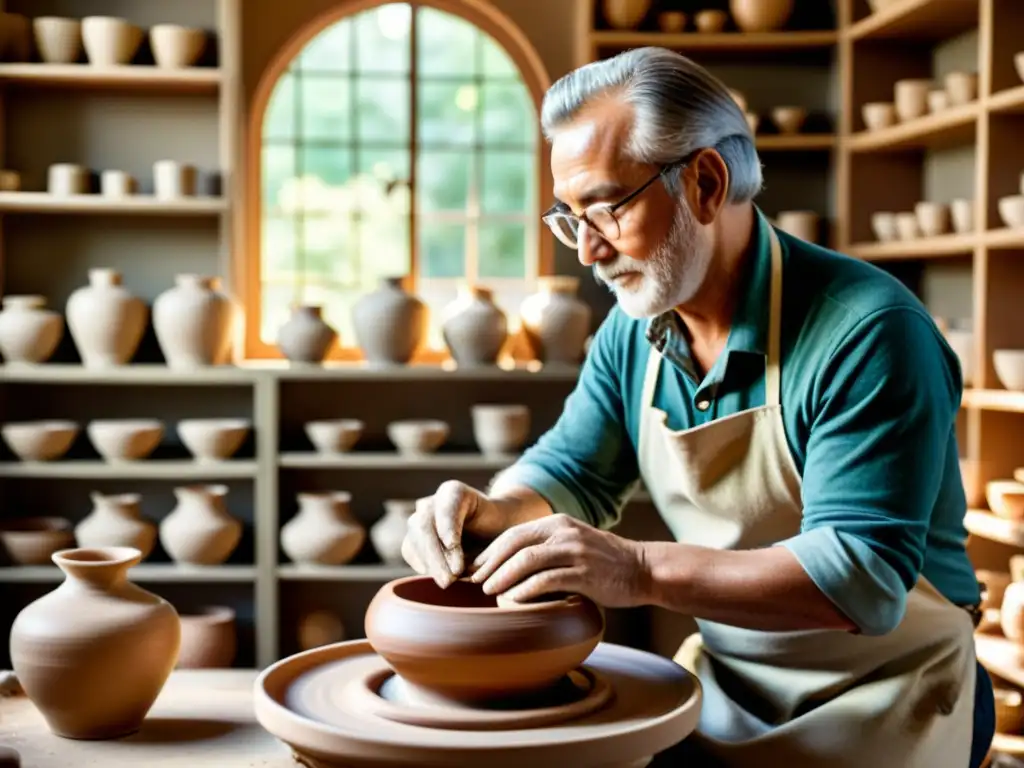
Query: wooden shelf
{"x": 994, "y": 400}
{"x": 146, "y": 469}
{"x": 799, "y": 142}
{"x": 152, "y": 572}
{"x": 951, "y": 127}
{"x": 394, "y": 460}
{"x": 981, "y": 522}
{"x": 372, "y": 572}
{"x": 41, "y": 202}
{"x": 1010, "y": 100}
{"x": 723, "y": 41}
{"x": 338, "y": 371}
{"x": 1008, "y": 744}
{"x": 133, "y": 77}
{"x": 924, "y": 247}
{"x": 1005, "y": 238}
{"x": 917, "y": 20}
{"x": 1001, "y": 657}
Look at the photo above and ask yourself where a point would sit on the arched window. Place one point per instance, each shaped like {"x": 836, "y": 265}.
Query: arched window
{"x": 396, "y": 139}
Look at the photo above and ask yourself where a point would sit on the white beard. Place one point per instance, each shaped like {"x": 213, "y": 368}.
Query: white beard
{"x": 669, "y": 277}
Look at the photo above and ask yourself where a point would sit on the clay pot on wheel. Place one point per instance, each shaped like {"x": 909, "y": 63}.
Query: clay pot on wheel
{"x": 94, "y": 653}
{"x": 458, "y": 644}
{"x": 760, "y": 15}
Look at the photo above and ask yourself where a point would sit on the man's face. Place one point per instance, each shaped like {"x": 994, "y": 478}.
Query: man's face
{"x": 659, "y": 259}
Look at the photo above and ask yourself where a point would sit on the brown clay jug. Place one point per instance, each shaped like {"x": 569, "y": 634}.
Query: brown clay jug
{"x": 94, "y": 653}
{"x": 760, "y": 15}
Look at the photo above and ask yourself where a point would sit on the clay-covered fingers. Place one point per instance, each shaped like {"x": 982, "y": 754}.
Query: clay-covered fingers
{"x": 453, "y": 503}
{"x": 546, "y": 583}
{"x": 433, "y": 541}
{"x": 518, "y": 553}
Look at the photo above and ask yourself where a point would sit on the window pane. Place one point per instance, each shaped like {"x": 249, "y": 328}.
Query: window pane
{"x": 508, "y": 181}
{"x": 446, "y": 44}
{"x": 326, "y": 111}
{"x": 277, "y": 169}
{"x": 279, "y": 118}
{"x": 384, "y": 238}
{"x": 502, "y": 249}
{"x": 277, "y": 247}
{"x": 509, "y": 116}
{"x": 383, "y": 111}
{"x": 442, "y": 249}
{"x": 446, "y": 112}
{"x": 330, "y": 165}
{"x": 331, "y": 50}
{"x": 389, "y": 167}
{"x": 383, "y": 38}
{"x": 496, "y": 62}
{"x": 328, "y": 247}
{"x": 276, "y": 300}
{"x": 443, "y": 179}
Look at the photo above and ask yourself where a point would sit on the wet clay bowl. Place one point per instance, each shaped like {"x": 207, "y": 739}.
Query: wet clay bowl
{"x": 458, "y": 644}
{"x": 39, "y": 440}
{"x": 33, "y": 540}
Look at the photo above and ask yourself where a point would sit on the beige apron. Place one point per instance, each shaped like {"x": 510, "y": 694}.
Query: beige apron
{"x": 809, "y": 698}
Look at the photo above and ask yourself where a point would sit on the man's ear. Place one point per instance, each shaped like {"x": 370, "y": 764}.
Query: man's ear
{"x": 706, "y": 184}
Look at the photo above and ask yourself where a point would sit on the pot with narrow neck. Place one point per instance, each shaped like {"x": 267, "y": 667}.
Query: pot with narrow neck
{"x": 388, "y": 533}
{"x": 29, "y": 332}
{"x": 193, "y": 322}
{"x": 555, "y": 321}
{"x": 390, "y": 323}
{"x": 105, "y": 320}
{"x": 94, "y": 653}
{"x": 306, "y": 337}
{"x": 116, "y": 521}
{"x": 324, "y": 532}
{"x": 199, "y": 531}
{"x": 474, "y": 329}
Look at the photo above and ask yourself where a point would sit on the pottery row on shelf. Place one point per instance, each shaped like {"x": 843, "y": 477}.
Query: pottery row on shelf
{"x": 928, "y": 219}
{"x": 1011, "y": 207}
{"x": 1008, "y": 364}
{"x": 118, "y": 440}
{"x": 105, "y": 40}
{"x": 172, "y": 181}
{"x": 748, "y": 16}
{"x": 917, "y": 97}
{"x": 803, "y": 224}
{"x": 198, "y": 531}
{"x": 788, "y": 120}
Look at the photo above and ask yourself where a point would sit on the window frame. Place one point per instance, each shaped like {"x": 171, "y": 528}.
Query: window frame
{"x": 248, "y": 256}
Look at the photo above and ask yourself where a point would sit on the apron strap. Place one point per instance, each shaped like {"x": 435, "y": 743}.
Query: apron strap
{"x": 772, "y": 373}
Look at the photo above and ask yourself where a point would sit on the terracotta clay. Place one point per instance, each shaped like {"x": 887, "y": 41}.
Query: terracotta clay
{"x": 94, "y": 653}
{"x": 209, "y": 639}
{"x": 457, "y": 643}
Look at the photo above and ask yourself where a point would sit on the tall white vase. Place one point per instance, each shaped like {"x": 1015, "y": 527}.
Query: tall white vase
{"x": 105, "y": 320}
{"x": 193, "y": 323}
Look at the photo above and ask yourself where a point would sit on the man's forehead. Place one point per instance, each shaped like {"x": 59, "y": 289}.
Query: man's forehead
{"x": 590, "y": 148}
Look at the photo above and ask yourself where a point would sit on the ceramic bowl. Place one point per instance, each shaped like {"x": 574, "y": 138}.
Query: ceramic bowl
{"x": 109, "y": 40}
{"x": 1006, "y": 498}
{"x": 58, "y": 39}
{"x": 878, "y": 115}
{"x": 1011, "y": 210}
{"x": 417, "y": 436}
{"x": 740, "y": 98}
{"x": 883, "y": 224}
{"x": 932, "y": 218}
{"x": 174, "y": 46}
{"x": 962, "y": 87}
{"x": 911, "y": 98}
{"x": 500, "y": 429}
{"x": 789, "y": 119}
{"x": 906, "y": 226}
{"x": 334, "y": 436}
{"x": 710, "y": 21}
{"x": 39, "y": 440}
{"x": 961, "y": 341}
{"x": 938, "y": 101}
{"x": 125, "y": 439}
{"x": 33, "y": 540}
{"x": 208, "y": 639}
{"x": 961, "y": 213}
{"x": 1009, "y": 366}
{"x": 457, "y": 643}
{"x": 753, "y": 121}
{"x": 672, "y": 22}
{"x": 213, "y": 439}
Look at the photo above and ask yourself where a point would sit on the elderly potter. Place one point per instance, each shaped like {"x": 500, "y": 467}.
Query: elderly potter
{"x": 792, "y": 413}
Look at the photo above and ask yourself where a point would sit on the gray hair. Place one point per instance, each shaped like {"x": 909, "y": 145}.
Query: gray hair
{"x": 679, "y": 107}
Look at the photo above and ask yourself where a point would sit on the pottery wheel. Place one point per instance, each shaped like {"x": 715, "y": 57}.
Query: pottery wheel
{"x": 334, "y": 706}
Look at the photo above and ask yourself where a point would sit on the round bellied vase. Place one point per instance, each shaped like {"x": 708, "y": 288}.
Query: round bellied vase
{"x": 193, "y": 322}
{"x": 474, "y": 327}
{"x": 390, "y": 323}
{"x": 324, "y": 532}
{"x": 116, "y": 521}
{"x": 105, "y": 320}
{"x": 388, "y": 533}
{"x": 199, "y": 530}
{"x": 556, "y": 322}
{"x": 29, "y": 332}
{"x": 306, "y": 337}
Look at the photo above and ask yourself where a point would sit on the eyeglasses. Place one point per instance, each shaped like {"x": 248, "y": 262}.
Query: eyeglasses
{"x": 600, "y": 216}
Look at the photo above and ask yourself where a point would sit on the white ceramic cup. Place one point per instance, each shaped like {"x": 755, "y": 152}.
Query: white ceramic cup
{"x": 173, "y": 180}
{"x": 116, "y": 184}
{"x": 67, "y": 179}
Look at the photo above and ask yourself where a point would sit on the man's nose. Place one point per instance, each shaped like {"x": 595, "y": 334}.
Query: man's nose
{"x": 590, "y": 246}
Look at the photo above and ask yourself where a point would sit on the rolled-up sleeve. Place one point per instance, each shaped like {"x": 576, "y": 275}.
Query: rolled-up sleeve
{"x": 585, "y": 465}
{"x": 883, "y": 417}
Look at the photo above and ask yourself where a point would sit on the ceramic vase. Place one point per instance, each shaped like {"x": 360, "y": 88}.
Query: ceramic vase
{"x": 625, "y": 14}
{"x": 93, "y": 654}
{"x": 760, "y": 15}
{"x": 390, "y": 324}
{"x": 474, "y": 327}
{"x": 29, "y": 333}
{"x": 555, "y": 321}
{"x": 209, "y": 639}
{"x": 193, "y": 322}
{"x": 105, "y": 320}
{"x": 306, "y": 337}
{"x": 324, "y": 532}
{"x": 199, "y": 530}
{"x": 388, "y": 533}
{"x": 116, "y": 521}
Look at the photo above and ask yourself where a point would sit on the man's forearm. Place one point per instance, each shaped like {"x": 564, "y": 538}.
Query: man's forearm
{"x": 763, "y": 589}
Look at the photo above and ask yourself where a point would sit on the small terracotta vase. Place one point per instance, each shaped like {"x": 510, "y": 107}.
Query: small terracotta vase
{"x": 390, "y": 324}
{"x": 209, "y": 639}
{"x": 105, "y": 320}
{"x": 116, "y": 521}
{"x": 193, "y": 322}
{"x": 324, "y": 532}
{"x": 760, "y": 15}
{"x": 29, "y": 333}
{"x": 457, "y": 643}
{"x": 474, "y": 328}
{"x": 625, "y": 14}
{"x": 199, "y": 530}
{"x": 306, "y": 337}
{"x": 388, "y": 533}
{"x": 93, "y": 654}
{"x": 555, "y": 321}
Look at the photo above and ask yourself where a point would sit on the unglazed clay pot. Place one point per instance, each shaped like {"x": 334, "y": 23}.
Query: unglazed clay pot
{"x": 458, "y": 644}
{"x": 33, "y": 540}
{"x": 625, "y": 14}
{"x": 94, "y": 653}
{"x": 213, "y": 440}
{"x": 306, "y": 337}
{"x": 324, "y": 532}
{"x": 555, "y": 321}
{"x": 193, "y": 322}
{"x": 209, "y": 639}
{"x": 474, "y": 328}
{"x": 390, "y": 324}
{"x": 105, "y": 320}
{"x": 58, "y": 39}
{"x": 199, "y": 530}
{"x": 175, "y": 46}
{"x": 388, "y": 533}
{"x": 320, "y": 628}
{"x": 760, "y": 15}
{"x": 116, "y": 521}
{"x": 500, "y": 429}
{"x": 29, "y": 333}
{"x": 110, "y": 41}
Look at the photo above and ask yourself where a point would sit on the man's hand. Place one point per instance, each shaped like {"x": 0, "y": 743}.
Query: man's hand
{"x": 558, "y": 553}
